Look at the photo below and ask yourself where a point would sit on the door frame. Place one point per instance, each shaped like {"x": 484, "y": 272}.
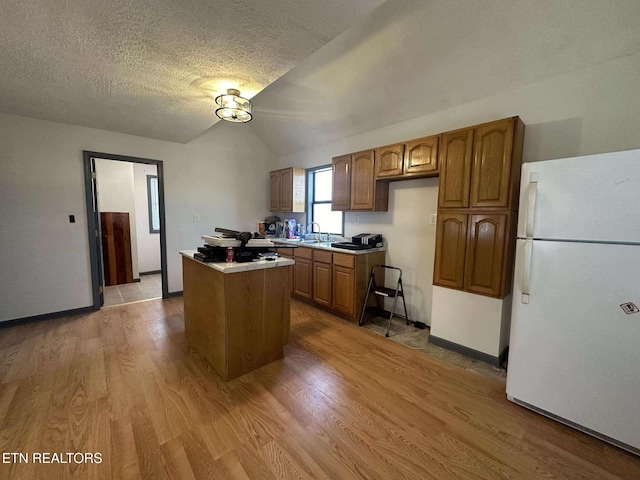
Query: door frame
{"x": 93, "y": 220}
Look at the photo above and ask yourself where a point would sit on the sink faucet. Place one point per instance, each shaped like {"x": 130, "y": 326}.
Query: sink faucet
{"x": 321, "y": 236}
{"x": 310, "y": 226}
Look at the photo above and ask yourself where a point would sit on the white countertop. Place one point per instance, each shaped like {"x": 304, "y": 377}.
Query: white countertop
{"x": 327, "y": 246}
{"x": 241, "y": 267}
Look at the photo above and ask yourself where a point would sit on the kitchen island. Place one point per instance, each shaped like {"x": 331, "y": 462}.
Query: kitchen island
{"x": 237, "y": 315}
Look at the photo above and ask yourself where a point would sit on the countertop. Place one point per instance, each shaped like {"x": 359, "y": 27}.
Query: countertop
{"x": 326, "y": 246}
{"x": 235, "y": 267}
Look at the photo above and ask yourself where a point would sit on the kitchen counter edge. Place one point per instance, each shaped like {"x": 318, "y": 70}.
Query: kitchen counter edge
{"x": 240, "y": 267}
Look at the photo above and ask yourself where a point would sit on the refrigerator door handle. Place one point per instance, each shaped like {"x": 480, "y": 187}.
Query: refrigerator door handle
{"x": 526, "y": 270}
{"x": 532, "y": 193}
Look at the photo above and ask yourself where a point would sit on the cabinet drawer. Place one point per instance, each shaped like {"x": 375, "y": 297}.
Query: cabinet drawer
{"x": 344, "y": 260}
{"x": 322, "y": 256}
{"x": 302, "y": 252}
{"x": 285, "y": 252}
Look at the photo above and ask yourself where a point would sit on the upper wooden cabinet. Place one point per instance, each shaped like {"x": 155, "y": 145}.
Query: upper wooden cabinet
{"x": 418, "y": 158}
{"x": 389, "y": 160}
{"x": 287, "y": 190}
{"x": 476, "y": 165}
{"x": 362, "y": 180}
{"x": 491, "y": 171}
{"x": 455, "y": 169}
{"x": 341, "y": 186}
{"x": 355, "y": 186}
{"x": 421, "y": 156}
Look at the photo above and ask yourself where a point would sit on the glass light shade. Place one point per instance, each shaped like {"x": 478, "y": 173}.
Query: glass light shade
{"x": 232, "y": 107}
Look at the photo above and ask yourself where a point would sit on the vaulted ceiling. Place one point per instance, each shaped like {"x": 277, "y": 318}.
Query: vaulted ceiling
{"x": 153, "y": 67}
{"x": 317, "y": 70}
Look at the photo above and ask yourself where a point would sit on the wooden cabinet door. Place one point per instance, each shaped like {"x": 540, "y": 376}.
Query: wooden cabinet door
{"x": 491, "y": 170}
{"x": 286, "y": 190}
{"x": 389, "y": 161}
{"x": 451, "y": 243}
{"x": 303, "y": 278}
{"x": 344, "y": 290}
{"x": 322, "y": 283}
{"x": 421, "y": 156}
{"x": 455, "y": 169}
{"x": 485, "y": 254}
{"x": 362, "y": 180}
{"x": 341, "y": 188}
{"x": 116, "y": 248}
{"x": 274, "y": 206}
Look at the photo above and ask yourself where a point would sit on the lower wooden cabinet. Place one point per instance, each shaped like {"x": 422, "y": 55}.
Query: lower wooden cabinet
{"x": 334, "y": 281}
{"x": 303, "y": 273}
{"x": 322, "y": 282}
{"x": 344, "y": 291}
{"x": 473, "y": 253}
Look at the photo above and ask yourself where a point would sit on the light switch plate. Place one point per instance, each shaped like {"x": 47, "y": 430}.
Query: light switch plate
{"x": 434, "y": 219}
{"x": 196, "y": 217}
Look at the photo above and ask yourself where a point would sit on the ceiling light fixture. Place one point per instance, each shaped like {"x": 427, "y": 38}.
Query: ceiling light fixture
{"x": 232, "y": 107}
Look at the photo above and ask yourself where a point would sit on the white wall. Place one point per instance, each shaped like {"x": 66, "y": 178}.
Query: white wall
{"x": 148, "y": 243}
{"x": 44, "y": 259}
{"x": 116, "y": 194}
{"x": 592, "y": 110}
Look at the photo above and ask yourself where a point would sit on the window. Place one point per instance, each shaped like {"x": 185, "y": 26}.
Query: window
{"x": 319, "y": 181}
{"x": 154, "y": 204}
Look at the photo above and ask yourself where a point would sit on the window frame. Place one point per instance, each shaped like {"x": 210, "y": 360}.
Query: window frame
{"x": 310, "y": 201}
{"x": 150, "y": 206}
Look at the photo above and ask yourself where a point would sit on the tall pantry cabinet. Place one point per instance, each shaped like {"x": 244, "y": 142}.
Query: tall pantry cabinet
{"x": 475, "y": 237}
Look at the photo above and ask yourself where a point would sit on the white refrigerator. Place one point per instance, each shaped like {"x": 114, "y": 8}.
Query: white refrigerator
{"x": 574, "y": 351}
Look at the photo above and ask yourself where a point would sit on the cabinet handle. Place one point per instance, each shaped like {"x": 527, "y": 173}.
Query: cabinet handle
{"x": 532, "y": 193}
{"x": 526, "y": 270}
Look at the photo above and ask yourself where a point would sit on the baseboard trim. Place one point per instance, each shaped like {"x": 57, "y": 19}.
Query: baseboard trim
{"x": 174, "y": 294}
{"x": 46, "y": 316}
{"x": 136, "y": 279}
{"x": 470, "y": 352}
{"x": 152, "y": 272}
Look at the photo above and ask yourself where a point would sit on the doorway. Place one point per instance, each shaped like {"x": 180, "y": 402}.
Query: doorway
{"x": 130, "y": 287}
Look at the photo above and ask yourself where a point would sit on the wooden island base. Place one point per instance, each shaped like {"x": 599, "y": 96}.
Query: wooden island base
{"x": 238, "y": 321}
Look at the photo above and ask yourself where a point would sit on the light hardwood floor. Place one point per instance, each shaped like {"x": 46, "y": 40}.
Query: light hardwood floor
{"x": 344, "y": 403}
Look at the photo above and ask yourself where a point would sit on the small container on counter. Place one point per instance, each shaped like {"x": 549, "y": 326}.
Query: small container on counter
{"x": 229, "y": 255}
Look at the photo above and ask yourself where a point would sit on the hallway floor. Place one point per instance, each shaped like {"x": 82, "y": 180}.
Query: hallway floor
{"x": 149, "y": 287}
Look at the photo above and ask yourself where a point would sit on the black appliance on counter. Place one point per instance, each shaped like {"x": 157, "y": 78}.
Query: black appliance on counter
{"x": 373, "y": 240}
{"x": 362, "y": 241}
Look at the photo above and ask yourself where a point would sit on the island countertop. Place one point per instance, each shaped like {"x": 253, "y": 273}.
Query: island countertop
{"x": 235, "y": 267}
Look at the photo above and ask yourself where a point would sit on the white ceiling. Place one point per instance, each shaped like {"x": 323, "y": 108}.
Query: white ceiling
{"x": 410, "y": 58}
{"x": 152, "y": 67}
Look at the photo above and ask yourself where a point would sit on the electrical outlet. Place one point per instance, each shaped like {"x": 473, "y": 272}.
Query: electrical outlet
{"x": 196, "y": 217}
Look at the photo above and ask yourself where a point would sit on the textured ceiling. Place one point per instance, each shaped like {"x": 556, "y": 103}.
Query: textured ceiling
{"x": 152, "y": 67}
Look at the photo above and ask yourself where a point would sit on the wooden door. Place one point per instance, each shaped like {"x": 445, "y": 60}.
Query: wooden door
{"x": 303, "y": 278}
{"x": 421, "y": 156}
{"x": 274, "y": 206}
{"x": 341, "y": 187}
{"x": 389, "y": 161}
{"x": 286, "y": 190}
{"x": 485, "y": 254}
{"x": 116, "y": 248}
{"x": 322, "y": 283}
{"x": 455, "y": 169}
{"x": 491, "y": 169}
{"x": 451, "y": 244}
{"x": 362, "y": 180}
{"x": 344, "y": 290}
